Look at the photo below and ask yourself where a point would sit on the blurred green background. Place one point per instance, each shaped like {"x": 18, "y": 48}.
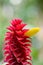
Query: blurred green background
{"x": 31, "y": 12}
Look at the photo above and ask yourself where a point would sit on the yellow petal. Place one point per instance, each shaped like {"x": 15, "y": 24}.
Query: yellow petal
{"x": 32, "y": 32}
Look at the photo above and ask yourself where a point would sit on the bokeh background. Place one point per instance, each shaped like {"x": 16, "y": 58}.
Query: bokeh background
{"x": 31, "y": 12}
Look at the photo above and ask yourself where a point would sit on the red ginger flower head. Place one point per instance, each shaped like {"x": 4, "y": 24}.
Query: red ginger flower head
{"x": 17, "y": 45}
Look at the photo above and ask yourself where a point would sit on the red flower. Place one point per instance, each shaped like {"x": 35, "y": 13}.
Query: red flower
{"x": 17, "y": 47}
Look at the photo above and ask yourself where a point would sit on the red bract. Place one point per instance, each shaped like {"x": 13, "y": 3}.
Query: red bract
{"x": 17, "y": 45}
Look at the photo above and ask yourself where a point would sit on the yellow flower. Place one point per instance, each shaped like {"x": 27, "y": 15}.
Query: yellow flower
{"x": 32, "y": 31}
